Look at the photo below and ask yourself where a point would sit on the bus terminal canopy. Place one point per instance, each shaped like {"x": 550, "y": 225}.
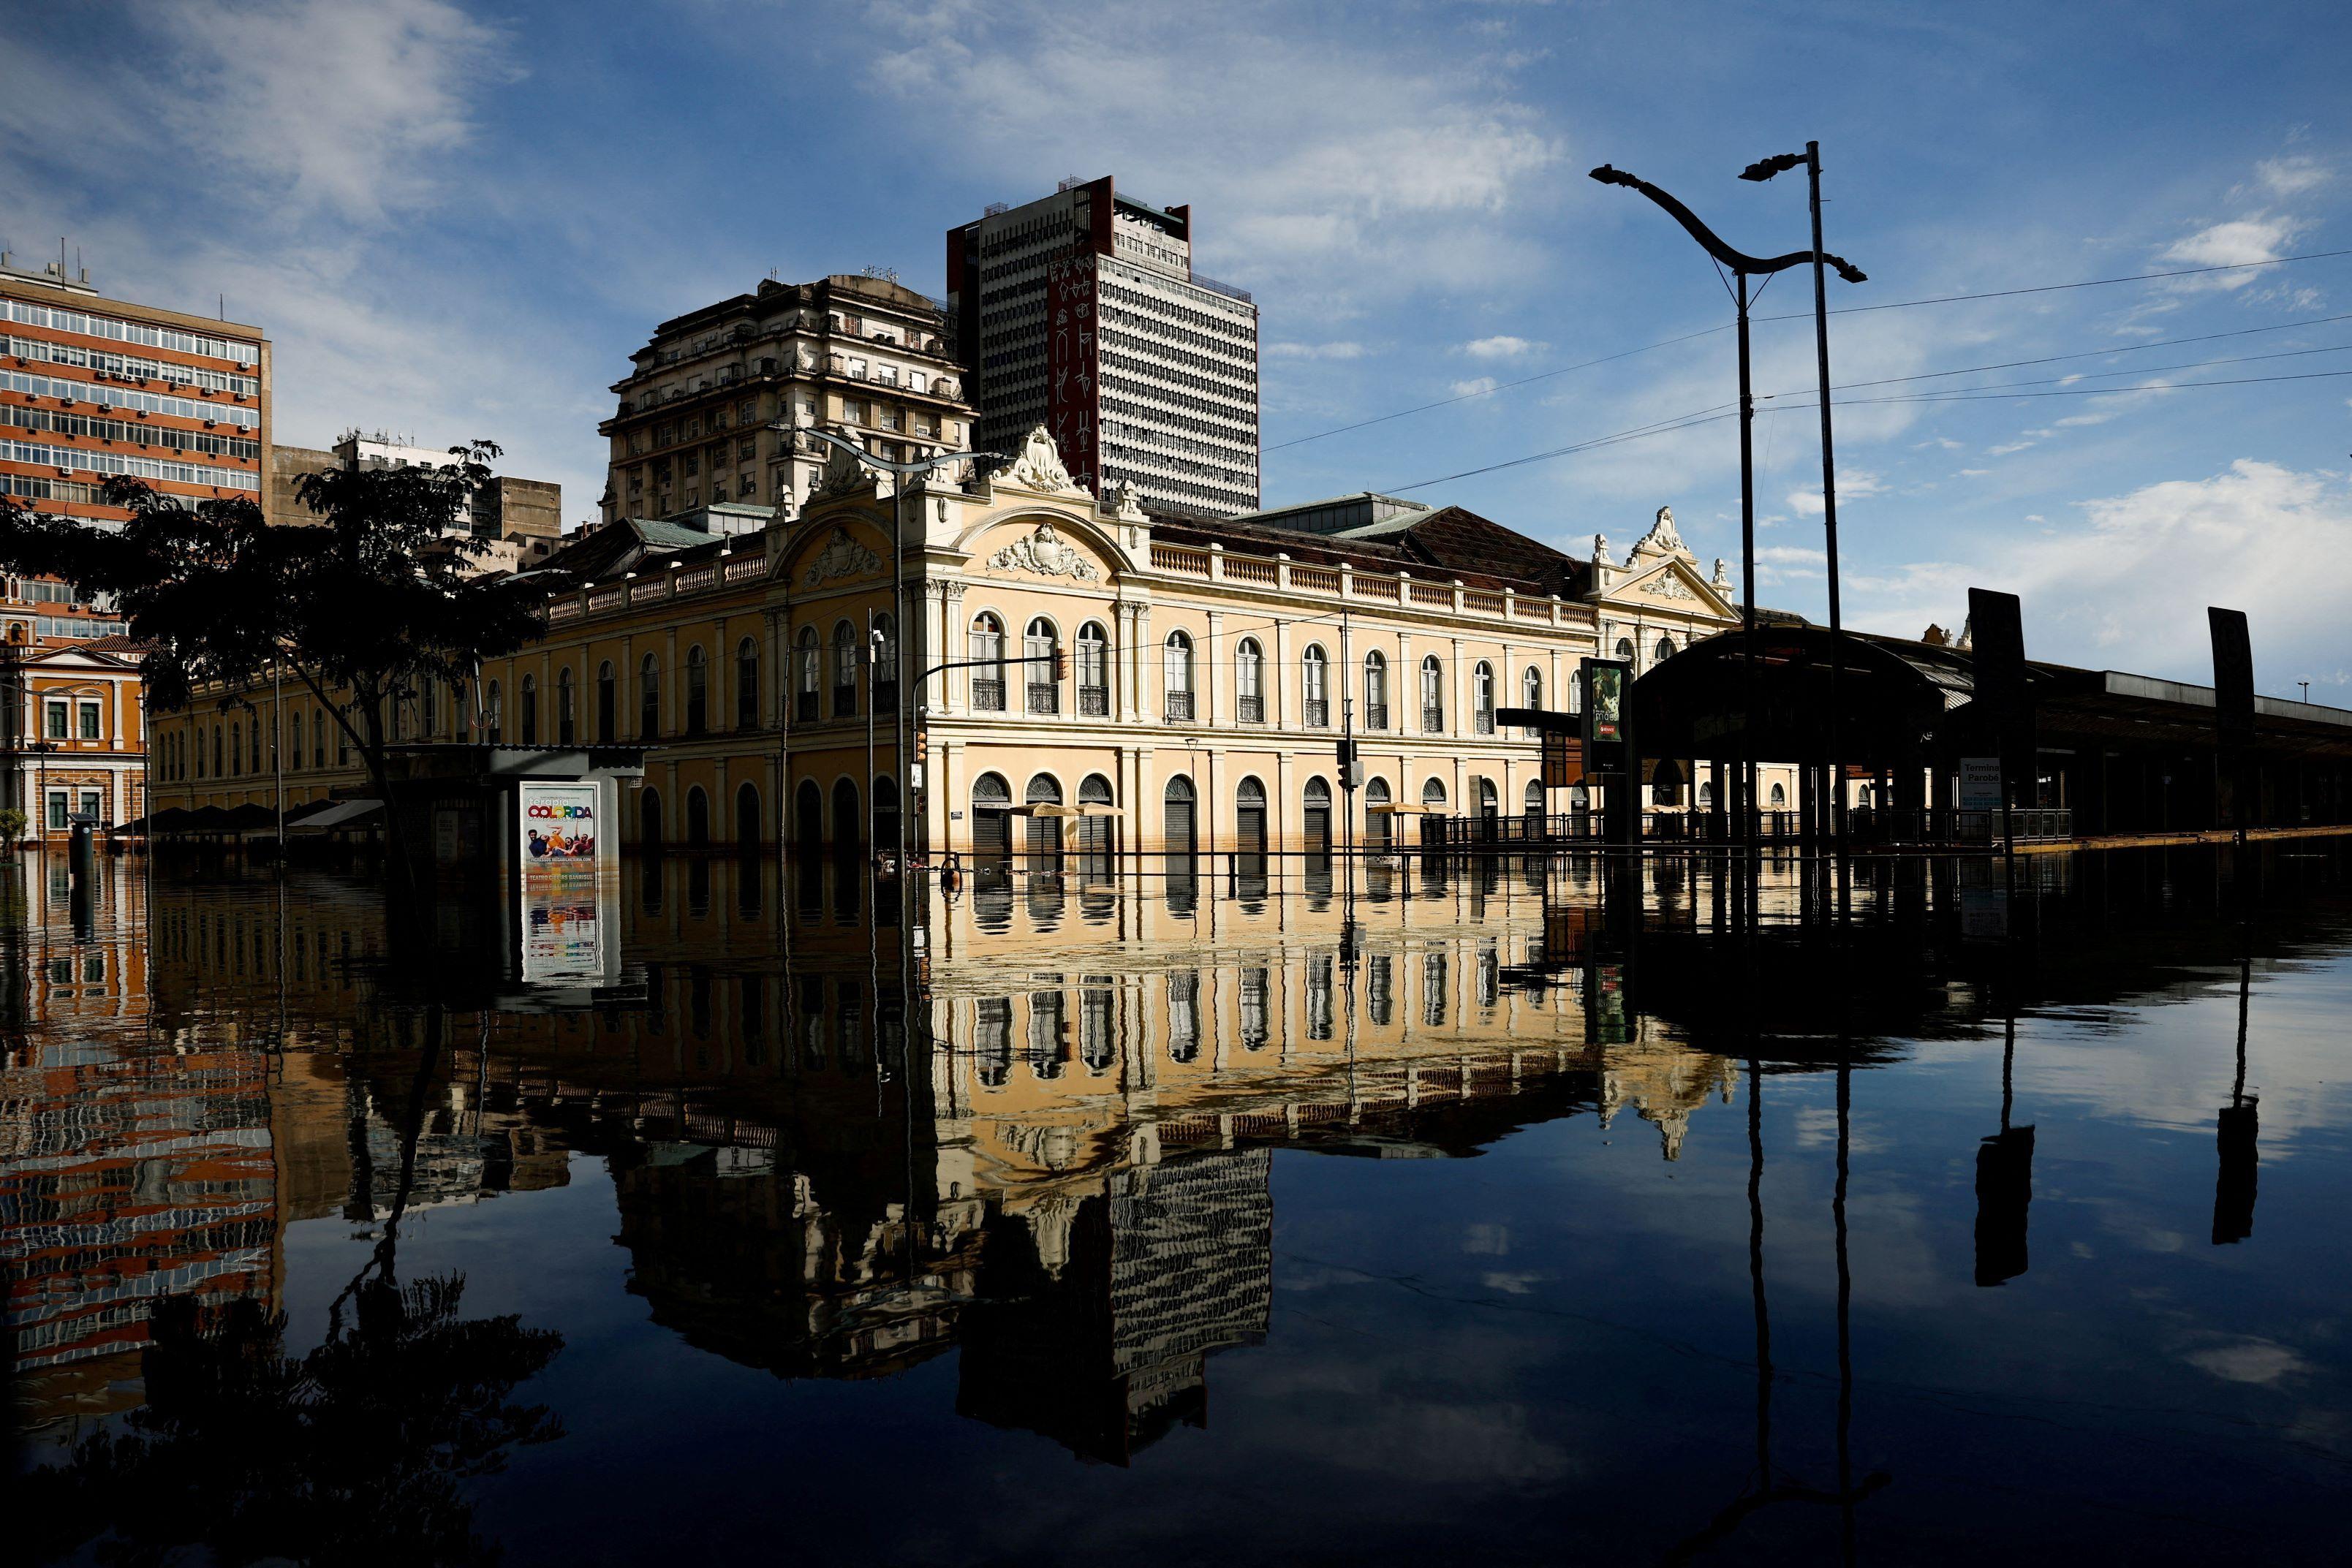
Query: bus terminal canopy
{"x": 1893, "y": 697}
{"x": 1901, "y": 702}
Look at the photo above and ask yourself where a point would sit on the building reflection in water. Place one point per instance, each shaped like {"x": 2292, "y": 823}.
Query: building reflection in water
{"x": 1036, "y": 1125}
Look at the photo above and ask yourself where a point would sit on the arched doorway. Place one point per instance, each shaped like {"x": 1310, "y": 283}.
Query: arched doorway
{"x": 1379, "y": 814}
{"x": 886, "y": 815}
{"x": 1043, "y": 798}
{"x": 1249, "y": 817}
{"x": 1176, "y": 816}
{"x": 847, "y": 835}
{"x": 808, "y": 822}
{"x": 1433, "y": 814}
{"x": 992, "y": 818}
{"x": 697, "y": 817}
{"x": 1535, "y": 807}
{"x": 1095, "y": 828}
{"x": 747, "y": 819}
{"x": 649, "y": 821}
{"x": 1315, "y": 824}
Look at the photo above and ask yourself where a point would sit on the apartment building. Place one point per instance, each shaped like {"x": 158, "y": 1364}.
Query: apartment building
{"x": 699, "y": 408}
{"x": 91, "y": 387}
{"x": 1080, "y": 311}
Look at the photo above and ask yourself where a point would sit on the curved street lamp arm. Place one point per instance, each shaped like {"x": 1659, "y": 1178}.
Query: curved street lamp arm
{"x": 1737, "y": 260}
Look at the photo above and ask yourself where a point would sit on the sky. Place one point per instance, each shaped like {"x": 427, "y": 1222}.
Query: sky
{"x": 457, "y": 221}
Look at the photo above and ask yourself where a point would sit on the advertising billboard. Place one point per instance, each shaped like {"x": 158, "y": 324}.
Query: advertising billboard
{"x": 562, "y": 852}
{"x": 1605, "y": 683}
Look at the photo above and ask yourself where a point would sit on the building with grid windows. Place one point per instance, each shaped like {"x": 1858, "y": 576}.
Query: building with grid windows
{"x": 1081, "y": 313}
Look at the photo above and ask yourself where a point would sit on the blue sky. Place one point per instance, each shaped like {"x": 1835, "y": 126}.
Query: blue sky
{"x": 459, "y": 220}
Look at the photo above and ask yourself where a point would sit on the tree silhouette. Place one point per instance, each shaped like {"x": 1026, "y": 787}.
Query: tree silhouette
{"x": 353, "y": 1453}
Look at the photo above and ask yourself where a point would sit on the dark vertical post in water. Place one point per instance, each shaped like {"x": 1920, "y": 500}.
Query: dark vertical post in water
{"x": 1756, "y": 1269}
{"x": 2233, "y": 718}
{"x": 2004, "y": 1166}
{"x": 2235, "y": 1137}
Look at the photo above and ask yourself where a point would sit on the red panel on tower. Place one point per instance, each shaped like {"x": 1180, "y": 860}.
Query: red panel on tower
{"x": 1073, "y": 384}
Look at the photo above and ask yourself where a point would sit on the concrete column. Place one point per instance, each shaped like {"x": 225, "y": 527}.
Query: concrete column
{"x": 1284, "y": 811}
{"x": 1457, "y": 722}
{"x": 1212, "y": 666}
{"x": 1282, "y": 688}
{"x": 1150, "y": 670}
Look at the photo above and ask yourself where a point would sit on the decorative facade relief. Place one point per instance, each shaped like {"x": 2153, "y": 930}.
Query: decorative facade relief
{"x": 1127, "y": 502}
{"x": 842, "y": 474}
{"x": 1038, "y": 466}
{"x": 1666, "y": 585}
{"x": 1663, "y": 538}
{"x": 1047, "y": 554}
{"x": 842, "y": 557}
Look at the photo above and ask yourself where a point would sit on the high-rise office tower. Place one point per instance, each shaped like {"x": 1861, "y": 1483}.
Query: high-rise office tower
{"x": 1081, "y": 313}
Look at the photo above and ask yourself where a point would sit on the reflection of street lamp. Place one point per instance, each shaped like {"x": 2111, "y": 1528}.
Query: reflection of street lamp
{"x": 1742, "y": 267}
{"x": 902, "y": 473}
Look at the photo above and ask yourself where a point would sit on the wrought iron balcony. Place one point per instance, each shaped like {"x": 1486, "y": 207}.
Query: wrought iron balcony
{"x": 1376, "y": 716}
{"x": 1250, "y": 710}
{"x": 845, "y": 702}
{"x": 1485, "y": 723}
{"x": 1319, "y": 712}
{"x": 1433, "y": 719}
{"x": 1094, "y": 702}
{"x": 988, "y": 697}
{"x": 1180, "y": 705}
{"x": 1045, "y": 696}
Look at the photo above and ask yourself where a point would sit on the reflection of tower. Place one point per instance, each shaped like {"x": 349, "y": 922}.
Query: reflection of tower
{"x": 1170, "y": 1264}
{"x": 2233, "y": 1188}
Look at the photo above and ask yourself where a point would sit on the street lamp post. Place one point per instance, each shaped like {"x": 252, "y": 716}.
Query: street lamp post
{"x": 1742, "y": 267}
{"x": 1759, "y": 171}
{"x": 902, "y": 473}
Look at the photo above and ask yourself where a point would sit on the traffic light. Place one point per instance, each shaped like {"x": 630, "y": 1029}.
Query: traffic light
{"x": 1347, "y": 754}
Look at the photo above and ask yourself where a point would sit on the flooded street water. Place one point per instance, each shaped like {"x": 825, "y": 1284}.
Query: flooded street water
{"x": 1469, "y": 1212}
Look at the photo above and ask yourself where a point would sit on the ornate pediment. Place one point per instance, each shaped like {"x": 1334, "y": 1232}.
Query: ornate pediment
{"x": 1038, "y": 466}
{"x": 843, "y": 475}
{"x": 841, "y": 556}
{"x": 1662, "y": 537}
{"x": 1666, "y": 585}
{"x": 1047, "y": 554}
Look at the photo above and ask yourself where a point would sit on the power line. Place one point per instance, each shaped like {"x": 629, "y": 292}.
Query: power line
{"x": 1956, "y": 394}
{"x": 2097, "y": 353}
{"x": 1843, "y": 310}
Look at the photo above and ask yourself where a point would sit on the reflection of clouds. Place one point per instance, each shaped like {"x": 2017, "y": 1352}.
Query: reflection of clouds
{"x": 1817, "y": 1129}
{"x": 2170, "y": 1065}
{"x": 1520, "y": 1283}
{"x": 2249, "y": 1361}
{"x": 1489, "y": 1241}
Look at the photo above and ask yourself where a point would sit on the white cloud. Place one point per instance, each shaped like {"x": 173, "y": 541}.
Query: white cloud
{"x": 2006, "y": 448}
{"x": 2292, "y": 176}
{"x": 1473, "y": 388}
{"x": 1499, "y": 348}
{"x": 2127, "y": 587}
{"x": 2236, "y": 242}
{"x": 324, "y": 105}
{"x": 1341, "y": 350}
{"x": 1852, "y": 485}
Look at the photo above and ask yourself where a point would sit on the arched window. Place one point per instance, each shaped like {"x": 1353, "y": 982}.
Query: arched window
{"x": 530, "y": 696}
{"x": 236, "y": 748}
{"x": 1666, "y": 783}
{"x": 649, "y": 819}
{"x": 1705, "y": 795}
{"x": 650, "y": 699}
{"x": 494, "y": 710}
{"x": 1178, "y": 674}
{"x": 1315, "y": 686}
{"x": 1665, "y": 648}
{"x": 1433, "y": 696}
{"x": 698, "y": 817}
{"x": 296, "y": 726}
{"x": 886, "y": 665}
{"x": 1094, "y": 791}
{"x": 992, "y": 824}
{"x": 1535, "y": 798}
{"x": 1482, "y": 689}
{"x": 987, "y": 653}
{"x": 1037, "y": 645}
{"x": 567, "y": 708}
{"x": 698, "y": 692}
{"x": 1579, "y": 799}
{"x": 1433, "y": 795}
{"x": 1625, "y": 649}
{"x": 805, "y": 709}
{"x": 1094, "y": 671}
{"x": 1249, "y": 677}
{"x": 1376, "y": 813}
{"x": 1376, "y": 691}
{"x": 1488, "y": 801}
{"x": 1531, "y": 690}
{"x": 1780, "y": 796}
{"x": 747, "y": 817}
{"x": 844, "y": 670}
{"x": 747, "y": 684}
{"x": 608, "y": 703}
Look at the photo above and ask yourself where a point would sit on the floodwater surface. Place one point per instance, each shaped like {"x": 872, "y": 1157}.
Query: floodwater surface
{"x": 1926, "y": 1212}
